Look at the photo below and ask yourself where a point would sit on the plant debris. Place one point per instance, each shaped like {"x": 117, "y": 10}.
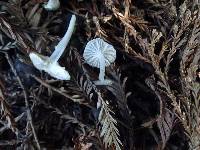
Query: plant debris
{"x": 153, "y": 101}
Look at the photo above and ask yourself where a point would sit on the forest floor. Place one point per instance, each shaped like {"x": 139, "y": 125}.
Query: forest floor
{"x": 152, "y": 102}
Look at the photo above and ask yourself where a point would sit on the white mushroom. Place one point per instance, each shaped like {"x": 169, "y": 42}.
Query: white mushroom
{"x": 50, "y": 64}
{"x": 52, "y": 5}
{"x": 100, "y": 54}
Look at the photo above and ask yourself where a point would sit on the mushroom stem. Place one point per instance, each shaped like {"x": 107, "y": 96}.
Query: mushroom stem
{"x": 102, "y": 69}
{"x": 59, "y": 49}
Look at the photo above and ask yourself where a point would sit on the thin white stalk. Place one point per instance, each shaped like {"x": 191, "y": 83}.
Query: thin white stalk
{"x": 59, "y": 49}
{"x": 102, "y": 69}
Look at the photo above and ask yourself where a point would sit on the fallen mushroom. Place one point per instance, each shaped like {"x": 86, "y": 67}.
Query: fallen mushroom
{"x": 50, "y": 64}
{"x": 52, "y": 5}
{"x": 100, "y": 54}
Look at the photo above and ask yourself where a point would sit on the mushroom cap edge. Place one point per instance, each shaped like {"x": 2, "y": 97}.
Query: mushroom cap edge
{"x": 58, "y": 72}
{"x": 39, "y": 61}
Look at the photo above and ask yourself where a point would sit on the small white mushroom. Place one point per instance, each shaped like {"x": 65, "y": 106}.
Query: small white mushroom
{"x": 100, "y": 54}
{"x": 50, "y": 64}
{"x": 52, "y": 5}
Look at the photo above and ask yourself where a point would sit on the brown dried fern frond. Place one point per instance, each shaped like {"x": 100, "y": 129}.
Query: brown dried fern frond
{"x": 14, "y": 34}
{"x": 5, "y": 112}
{"x": 118, "y": 90}
{"x": 185, "y": 43}
{"x": 166, "y": 124}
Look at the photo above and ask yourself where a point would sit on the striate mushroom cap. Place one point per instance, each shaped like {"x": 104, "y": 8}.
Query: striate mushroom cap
{"x": 98, "y": 49}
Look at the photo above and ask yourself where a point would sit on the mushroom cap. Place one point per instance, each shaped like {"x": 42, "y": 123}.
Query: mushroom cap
{"x": 98, "y": 49}
{"x": 54, "y": 69}
{"x": 39, "y": 61}
{"x": 52, "y": 5}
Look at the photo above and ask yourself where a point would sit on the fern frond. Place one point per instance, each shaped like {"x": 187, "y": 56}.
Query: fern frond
{"x": 7, "y": 46}
{"x": 166, "y": 125}
{"x": 5, "y": 112}
{"x": 185, "y": 42}
{"x": 109, "y": 131}
{"x": 118, "y": 90}
{"x": 14, "y": 34}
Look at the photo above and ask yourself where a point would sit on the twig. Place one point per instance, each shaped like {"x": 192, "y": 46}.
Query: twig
{"x": 10, "y": 143}
{"x": 29, "y": 117}
{"x": 58, "y": 111}
{"x": 76, "y": 13}
{"x": 59, "y": 91}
